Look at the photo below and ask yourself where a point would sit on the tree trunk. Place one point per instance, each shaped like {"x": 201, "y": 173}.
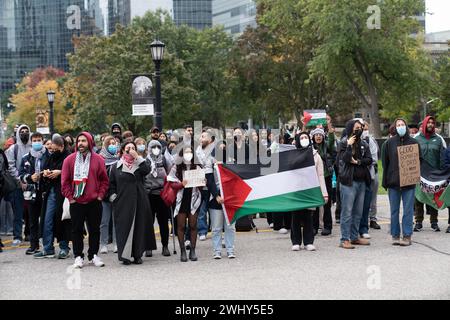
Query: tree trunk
{"x": 374, "y": 114}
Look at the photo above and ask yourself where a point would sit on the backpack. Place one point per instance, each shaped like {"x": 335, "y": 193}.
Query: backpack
{"x": 245, "y": 224}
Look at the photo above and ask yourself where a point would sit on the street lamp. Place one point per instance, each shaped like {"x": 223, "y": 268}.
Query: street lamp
{"x": 51, "y": 100}
{"x": 157, "y": 49}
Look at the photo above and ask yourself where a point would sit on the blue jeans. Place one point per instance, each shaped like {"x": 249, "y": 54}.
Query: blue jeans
{"x": 17, "y": 202}
{"x": 104, "y": 225}
{"x": 47, "y": 236}
{"x": 408, "y": 197}
{"x": 364, "y": 224}
{"x": 202, "y": 221}
{"x": 217, "y": 225}
{"x": 352, "y": 201}
{"x": 6, "y": 217}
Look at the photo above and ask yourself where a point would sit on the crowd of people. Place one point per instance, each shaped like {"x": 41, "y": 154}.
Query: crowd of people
{"x": 69, "y": 188}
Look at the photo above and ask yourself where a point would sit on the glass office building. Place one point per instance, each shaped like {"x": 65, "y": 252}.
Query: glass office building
{"x": 38, "y": 33}
{"x": 234, "y": 15}
{"x": 194, "y": 13}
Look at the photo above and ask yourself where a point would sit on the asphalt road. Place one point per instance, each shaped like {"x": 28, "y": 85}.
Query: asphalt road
{"x": 265, "y": 268}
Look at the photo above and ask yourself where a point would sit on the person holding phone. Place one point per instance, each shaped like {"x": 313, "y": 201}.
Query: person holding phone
{"x": 131, "y": 207}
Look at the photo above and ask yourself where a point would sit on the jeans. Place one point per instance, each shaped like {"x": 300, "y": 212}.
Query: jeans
{"x": 352, "y": 201}
{"x": 373, "y": 203}
{"x": 6, "y": 217}
{"x": 217, "y": 225}
{"x": 202, "y": 222}
{"x": 364, "y": 224}
{"x": 104, "y": 225}
{"x": 408, "y": 211}
{"x": 17, "y": 202}
{"x": 49, "y": 222}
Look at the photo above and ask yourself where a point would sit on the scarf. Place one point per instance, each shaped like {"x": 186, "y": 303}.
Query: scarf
{"x": 80, "y": 177}
{"x": 128, "y": 160}
{"x": 38, "y": 156}
{"x": 109, "y": 158}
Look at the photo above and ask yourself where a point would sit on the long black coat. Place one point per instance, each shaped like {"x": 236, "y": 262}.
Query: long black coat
{"x": 132, "y": 212}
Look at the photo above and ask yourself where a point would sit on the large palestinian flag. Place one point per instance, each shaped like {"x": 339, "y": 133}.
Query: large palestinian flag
{"x": 248, "y": 189}
{"x": 313, "y": 118}
{"x": 434, "y": 188}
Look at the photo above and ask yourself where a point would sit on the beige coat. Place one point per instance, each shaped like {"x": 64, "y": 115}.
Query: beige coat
{"x": 320, "y": 172}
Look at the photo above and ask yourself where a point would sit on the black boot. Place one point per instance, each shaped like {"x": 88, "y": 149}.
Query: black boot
{"x": 165, "y": 251}
{"x": 183, "y": 256}
{"x": 192, "y": 255}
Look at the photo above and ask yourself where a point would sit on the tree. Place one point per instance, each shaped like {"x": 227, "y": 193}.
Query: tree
{"x": 32, "y": 95}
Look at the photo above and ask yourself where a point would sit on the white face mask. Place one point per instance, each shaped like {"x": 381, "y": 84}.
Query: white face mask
{"x": 156, "y": 151}
{"x": 365, "y": 134}
{"x": 304, "y": 143}
{"x": 188, "y": 157}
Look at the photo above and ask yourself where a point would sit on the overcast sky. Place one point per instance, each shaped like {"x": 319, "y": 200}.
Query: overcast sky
{"x": 139, "y": 7}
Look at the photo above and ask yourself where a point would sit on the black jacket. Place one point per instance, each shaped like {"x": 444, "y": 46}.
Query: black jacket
{"x": 391, "y": 171}
{"x": 28, "y": 168}
{"x": 346, "y": 168}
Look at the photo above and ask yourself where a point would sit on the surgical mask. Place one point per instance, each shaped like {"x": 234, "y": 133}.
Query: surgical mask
{"x": 112, "y": 149}
{"x": 365, "y": 134}
{"x": 37, "y": 146}
{"x": 401, "y": 131}
{"x": 188, "y": 157}
{"x": 141, "y": 148}
{"x": 304, "y": 143}
{"x": 156, "y": 151}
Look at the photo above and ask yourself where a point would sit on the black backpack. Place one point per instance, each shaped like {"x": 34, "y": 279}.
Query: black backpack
{"x": 245, "y": 224}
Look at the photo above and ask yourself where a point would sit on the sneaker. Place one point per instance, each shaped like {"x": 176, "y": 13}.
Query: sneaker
{"x": 406, "y": 241}
{"x": 97, "y": 261}
{"x": 79, "y": 261}
{"x": 395, "y": 241}
{"x": 365, "y": 236}
{"x": 42, "y": 255}
{"x": 203, "y": 237}
{"x": 374, "y": 225}
{"x": 346, "y": 245}
{"x": 31, "y": 251}
{"x": 296, "y": 247}
{"x": 217, "y": 256}
{"x": 231, "y": 255}
{"x": 418, "y": 227}
{"x": 63, "y": 254}
{"x": 271, "y": 226}
{"x": 16, "y": 243}
{"x": 104, "y": 250}
{"x": 326, "y": 232}
{"x": 360, "y": 242}
{"x": 115, "y": 249}
{"x": 435, "y": 227}
{"x": 310, "y": 247}
{"x": 448, "y": 229}
{"x": 187, "y": 245}
{"x": 283, "y": 231}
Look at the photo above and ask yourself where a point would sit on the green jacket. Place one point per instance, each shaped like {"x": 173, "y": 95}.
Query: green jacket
{"x": 431, "y": 150}
{"x": 330, "y": 148}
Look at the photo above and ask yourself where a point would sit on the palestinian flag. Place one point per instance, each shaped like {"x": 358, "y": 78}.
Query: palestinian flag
{"x": 313, "y": 118}
{"x": 434, "y": 188}
{"x": 253, "y": 188}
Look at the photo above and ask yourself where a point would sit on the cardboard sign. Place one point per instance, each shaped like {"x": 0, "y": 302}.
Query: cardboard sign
{"x": 409, "y": 164}
{"x": 195, "y": 178}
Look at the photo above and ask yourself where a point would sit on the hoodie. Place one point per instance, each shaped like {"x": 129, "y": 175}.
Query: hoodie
{"x": 97, "y": 183}
{"x": 431, "y": 146}
{"x": 15, "y": 160}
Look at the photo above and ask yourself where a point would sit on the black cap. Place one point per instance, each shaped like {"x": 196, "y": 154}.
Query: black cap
{"x": 155, "y": 129}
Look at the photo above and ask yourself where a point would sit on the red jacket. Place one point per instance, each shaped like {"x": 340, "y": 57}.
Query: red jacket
{"x": 98, "y": 182}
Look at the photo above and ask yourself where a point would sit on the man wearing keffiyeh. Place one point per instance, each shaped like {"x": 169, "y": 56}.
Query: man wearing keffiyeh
{"x": 85, "y": 183}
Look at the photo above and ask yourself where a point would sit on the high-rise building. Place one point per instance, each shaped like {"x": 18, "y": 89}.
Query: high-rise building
{"x": 194, "y": 13}
{"x": 38, "y": 33}
{"x": 234, "y": 15}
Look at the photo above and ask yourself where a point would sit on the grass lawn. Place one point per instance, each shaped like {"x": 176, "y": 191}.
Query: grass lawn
{"x": 380, "y": 178}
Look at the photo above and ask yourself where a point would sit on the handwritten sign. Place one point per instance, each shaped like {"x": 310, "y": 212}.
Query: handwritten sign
{"x": 195, "y": 178}
{"x": 409, "y": 164}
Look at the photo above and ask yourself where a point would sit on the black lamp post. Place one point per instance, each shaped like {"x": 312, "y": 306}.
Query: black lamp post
{"x": 51, "y": 99}
{"x": 157, "y": 48}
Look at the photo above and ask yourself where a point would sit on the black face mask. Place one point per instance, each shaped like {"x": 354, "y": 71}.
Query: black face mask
{"x": 24, "y": 137}
{"x": 358, "y": 133}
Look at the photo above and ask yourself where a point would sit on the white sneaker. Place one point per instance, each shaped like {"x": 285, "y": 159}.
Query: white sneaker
{"x": 104, "y": 250}
{"x": 16, "y": 243}
{"x": 283, "y": 231}
{"x": 231, "y": 255}
{"x": 310, "y": 247}
{"x": 217, "y": 256}
{"x": 271, "y": 226}
{"x": 115, "y": 249}
{"x": 187, "y": 244}
{"x": 97, "y": 261}
{"x": 202, "y": 237}
{"x": 366, "y": 236}
{"x": 78, "y": 263}
{"x": 296, "y": 247}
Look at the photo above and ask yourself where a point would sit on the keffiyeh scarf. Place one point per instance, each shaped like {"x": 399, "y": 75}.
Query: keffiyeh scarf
{"x": 80, "y": 177}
